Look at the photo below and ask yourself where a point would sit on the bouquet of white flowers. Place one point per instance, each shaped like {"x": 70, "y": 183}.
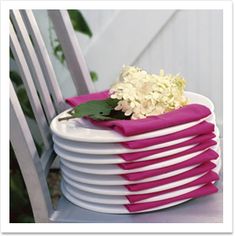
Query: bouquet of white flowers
{"x": 141, "y": 94}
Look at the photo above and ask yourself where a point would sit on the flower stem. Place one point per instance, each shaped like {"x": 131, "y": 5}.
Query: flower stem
{"x": 66, "y": 118}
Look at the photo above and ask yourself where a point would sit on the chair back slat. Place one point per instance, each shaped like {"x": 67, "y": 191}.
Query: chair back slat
{"x": 47, "y": 159}
{"x": 33, "y": 63}
{"x": 73, "y": 54}
{"x": 30, "y": 88}
{"x": 29, "y": 161}
{"x": 44, "y": 60}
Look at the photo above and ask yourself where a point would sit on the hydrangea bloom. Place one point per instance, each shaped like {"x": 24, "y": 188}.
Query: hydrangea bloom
{"x": 142, "y": 94}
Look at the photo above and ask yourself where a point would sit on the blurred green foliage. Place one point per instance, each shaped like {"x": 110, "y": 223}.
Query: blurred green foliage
{"x": 79, "y": 23}
{"x": 20, "y": 208}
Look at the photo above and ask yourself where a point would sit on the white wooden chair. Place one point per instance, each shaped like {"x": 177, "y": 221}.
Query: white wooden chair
{"x": 38, "y": 75}
{"x": 34, "y": 62}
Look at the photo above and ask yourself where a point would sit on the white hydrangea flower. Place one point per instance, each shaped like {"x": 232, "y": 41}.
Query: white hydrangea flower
{"x": 142, "y": 94}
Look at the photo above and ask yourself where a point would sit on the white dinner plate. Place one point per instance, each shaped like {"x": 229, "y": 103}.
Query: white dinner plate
{"x": 119, "y": 199}
{"x": 113, "y": 169}
{"x": 82, "y": 130}
{"x": 108, "y": 148}
{"x": 116, "y": 208}
{"x": 111, "y": 148}
{"x": 114, "y": 179}
{"x": 122, "y": 190}
{"x": 111, "y": 209}
{"x": 110, "y": 159}
{"x": 103, "y": 159}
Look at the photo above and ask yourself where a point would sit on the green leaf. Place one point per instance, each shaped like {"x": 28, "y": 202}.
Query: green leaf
{"x": 24, "y": 101}
{"x": 79, "y": 23}
{"x": 15, "y": 78}
{"x": 94, "y": 76}
{"x": 11, "y": 55}
{"x": 58, "y": 52}
{"x": 97, "y": 110}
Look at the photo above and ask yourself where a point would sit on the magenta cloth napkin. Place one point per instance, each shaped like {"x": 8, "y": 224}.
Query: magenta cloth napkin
{"x": 207, "y": 178}
{"x": 139, "y": 164}
{"x": 202, "y": 191}
{"x": 205, "y": 167}
{"x": 186, "y": 114}
{"x": 199, "y": 147}
{"x": 196, "y": 140}
{"x": 202, "y": 128}
{"x": 150, "y": 173}
{"x": 75, "y": 101}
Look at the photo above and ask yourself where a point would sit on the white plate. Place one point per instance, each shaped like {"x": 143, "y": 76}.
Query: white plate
{"x": 116, "y": 209}
{"x": 83, "y": 131}
{"x": 113, "y": 179}
{"x": 108, "y": 148}
{"x": 112, "y": 209}
{"x": 113, "y": 169}
{"x": 109, "y": 159}
{"x": 111, "y": 148}
{"x": 117, "y": 199}
{"x": 121, "y": 190}
{"x": 101, "y": 159}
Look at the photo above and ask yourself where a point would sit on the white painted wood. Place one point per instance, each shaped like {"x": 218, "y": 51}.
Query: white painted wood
{"x": 30, "y": 88}
{"x": 127, "y": 35}
{"x": 44, "y": 60}
{"x": 33, "y": 63}
{"x": 29, "y": 162}
{"x": 97, "y": 21}
{"x": 191, "y": 44}
{"x": 73, "y": 54}
{"x": 47, "y": 159}
{"x": 63, "y": 75}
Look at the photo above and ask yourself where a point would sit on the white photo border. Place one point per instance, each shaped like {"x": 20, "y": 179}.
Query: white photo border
{"x": 225, "y": 227}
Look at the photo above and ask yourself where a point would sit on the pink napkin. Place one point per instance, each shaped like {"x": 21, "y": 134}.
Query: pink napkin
{"x": 196, "y": 140}
{"x": 186, "y": 114}
{"x": 150, "y": 173}
{"x": 207, "y": 178}
{"x": 205, "y": 167}
{"x": 202, "y": 191}
{"x": 202, "y": 128}
{"x": 75, "y": 101}
{"x": 138, "y": 164}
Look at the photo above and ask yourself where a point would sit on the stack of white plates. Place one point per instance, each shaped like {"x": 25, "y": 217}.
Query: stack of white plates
{"x": 93, "y": 178}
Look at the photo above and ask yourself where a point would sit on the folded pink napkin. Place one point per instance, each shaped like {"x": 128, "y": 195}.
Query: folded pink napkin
{"x": 196, "y": 140}
{"x": 150, "y": 173}
{"x": 77, "y": 100}
{"x": 207, "y": 178}
{"x": 186, "y": 114}
{"x": 139, "y": 164}
{"x": 202, "y": 128}
{"x": 202, "y": 191}
{"x": 205, "y": 167}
